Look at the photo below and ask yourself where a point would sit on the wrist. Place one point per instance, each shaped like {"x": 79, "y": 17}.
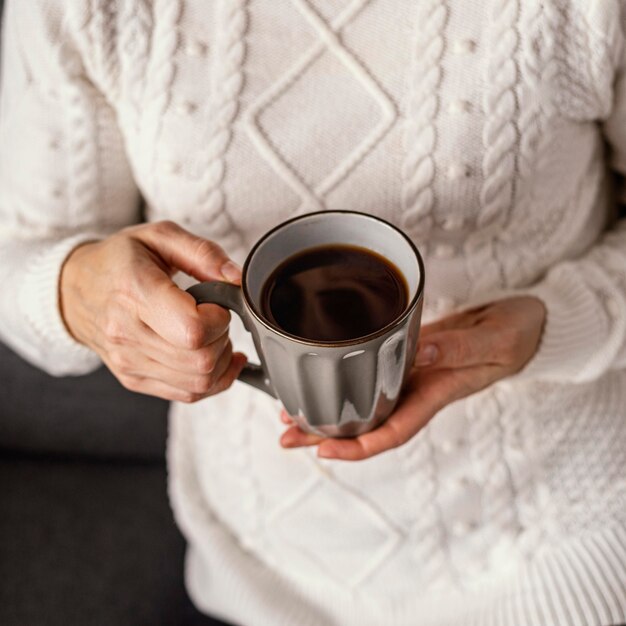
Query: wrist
{"x": 71, "y": 288}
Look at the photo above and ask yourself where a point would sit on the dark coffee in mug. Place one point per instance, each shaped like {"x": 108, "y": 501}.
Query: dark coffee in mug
{"x": 334, "y": 293}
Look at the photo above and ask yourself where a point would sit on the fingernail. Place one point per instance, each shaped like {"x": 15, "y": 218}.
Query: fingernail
{"x": 327, "y": 452}
{"x": 427, "y": 355}
{"x": 231, "y": 271}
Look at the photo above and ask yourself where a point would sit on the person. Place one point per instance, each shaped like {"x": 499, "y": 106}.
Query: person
{"x": 494, "y": 134}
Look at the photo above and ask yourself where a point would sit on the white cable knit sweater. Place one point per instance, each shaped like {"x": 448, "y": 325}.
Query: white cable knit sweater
{"x": 478, "y": 127}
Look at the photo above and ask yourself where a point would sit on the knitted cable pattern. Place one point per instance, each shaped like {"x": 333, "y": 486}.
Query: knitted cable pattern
{"x": 227, "y": 83}
{"x": 487, "y": 436}
{"x": 519, "y": 443}
{"x": 585, "y": 59}
{"x": 84, "y": 169}
{"x": 500, "y": 104}
{"x": 538, "y": 69}
{"x": 533, "y": 62}
{"x": 161, "y": 72}
{"x": 420, "y": 131}
{"x": 241, "y": 457}
{"x": 136, "y": 25}
{"x": 428, "y": 537}
{"x": 574, "y": 97}
{"x": 103, "y": 34}
{"x": 546, "y": 69}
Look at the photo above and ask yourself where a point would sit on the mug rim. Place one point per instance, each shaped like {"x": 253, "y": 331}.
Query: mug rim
{"x": 419, "y": 292}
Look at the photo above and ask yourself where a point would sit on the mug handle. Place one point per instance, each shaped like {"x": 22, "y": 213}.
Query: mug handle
{"x": 230, "y": 297}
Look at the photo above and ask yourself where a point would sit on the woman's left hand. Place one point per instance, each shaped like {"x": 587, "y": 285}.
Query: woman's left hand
{"x": 458, "y": 356}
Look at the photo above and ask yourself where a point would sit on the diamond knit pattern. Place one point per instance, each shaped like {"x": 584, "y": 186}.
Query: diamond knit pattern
{"x": 327, "y": 39}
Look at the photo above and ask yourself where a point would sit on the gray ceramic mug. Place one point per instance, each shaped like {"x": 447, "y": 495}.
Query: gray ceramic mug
{"x": 339, "y": 389}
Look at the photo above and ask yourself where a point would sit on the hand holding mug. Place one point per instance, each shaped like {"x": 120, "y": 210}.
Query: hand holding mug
{"x": 118, "y": 298}
{"x": 458, "y": 356}
{"x": 333, "y": 349}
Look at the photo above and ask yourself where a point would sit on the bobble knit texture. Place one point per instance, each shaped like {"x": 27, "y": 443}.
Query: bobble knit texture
{"x": 491, "y": 132}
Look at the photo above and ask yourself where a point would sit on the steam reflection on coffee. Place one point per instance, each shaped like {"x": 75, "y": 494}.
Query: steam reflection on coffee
{"x": 334, "y": 293}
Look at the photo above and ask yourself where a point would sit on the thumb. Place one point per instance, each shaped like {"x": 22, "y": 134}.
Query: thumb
{"x": 180, "y": 249}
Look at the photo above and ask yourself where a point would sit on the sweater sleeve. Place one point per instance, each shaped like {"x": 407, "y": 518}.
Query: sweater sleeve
{"x": 64, "y": 178}
{"x": 585, "y": 331}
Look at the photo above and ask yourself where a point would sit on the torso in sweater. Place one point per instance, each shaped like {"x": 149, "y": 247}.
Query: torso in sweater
{"x": 474, "y": 126}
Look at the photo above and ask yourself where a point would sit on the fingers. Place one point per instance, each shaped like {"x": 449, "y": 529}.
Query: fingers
{"x": 391, "y": 434}
{"x": 457, "y": 348}
{"x": 196, "y": 383}
{"x": 458, "y": 356}
{"x": 406, "y": 422}
{"x": 294, "y": 437}
{"x": 200, "y": 361}
{"x": 134, "y": 338}
{"x": 174, "y": 315}
{"x": 198, "y": 257}
{"x": 237, "y": 363}
{"x": 460, "y": 319}
{"x": 167, "y": 391}
{"x": 169, "y": 311}
{"x": 426, "y": 394}
{"x": 285, "y": 418}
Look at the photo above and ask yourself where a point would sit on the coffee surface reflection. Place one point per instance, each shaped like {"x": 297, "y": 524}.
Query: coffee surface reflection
{"x": 334, "y": 293}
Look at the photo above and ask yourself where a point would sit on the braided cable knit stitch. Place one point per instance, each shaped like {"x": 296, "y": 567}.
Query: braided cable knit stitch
{"x": 428, "y": 532}
{"x": 83, "y": 186}
{"x": 227, "y": 83}
{"x": 136, "y": 27}
{"x": 500, "y": 104}
{"x": 498, "y": 507}
{"x": 538, "y": 70}
{"x": 103, "y": 27}
{"x": 161, "y": 72}
{"x": 420, "y": 131}
{"x": 585, "y": 85}
{"x": 531, "y": 118}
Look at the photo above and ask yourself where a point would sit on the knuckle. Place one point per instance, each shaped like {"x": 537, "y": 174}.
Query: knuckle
{"x": 223, "y": 384}
{"x": 163, "y": 227}
{"x": 203, "y": 384}
{"x": 119, "y": 360}
{"x": 397, "y": 438}
{"x": 113, "y": 330}
{"x": 207, "y": 249}
{"x": 131, "y": 383}
{"x": 205, "y": 361}
{"x": 189, "y": 397}
{"x": 220, "y": 387}
{"x": 194, "y": 335}
{"x": 460, "y": 351}
{"x": 185, "y": 396}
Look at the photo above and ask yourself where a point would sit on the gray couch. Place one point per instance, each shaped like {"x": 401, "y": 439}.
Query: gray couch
{"x": 87, "y": 537}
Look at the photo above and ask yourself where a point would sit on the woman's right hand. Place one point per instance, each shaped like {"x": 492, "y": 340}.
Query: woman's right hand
{"x": 117, "y": 297}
